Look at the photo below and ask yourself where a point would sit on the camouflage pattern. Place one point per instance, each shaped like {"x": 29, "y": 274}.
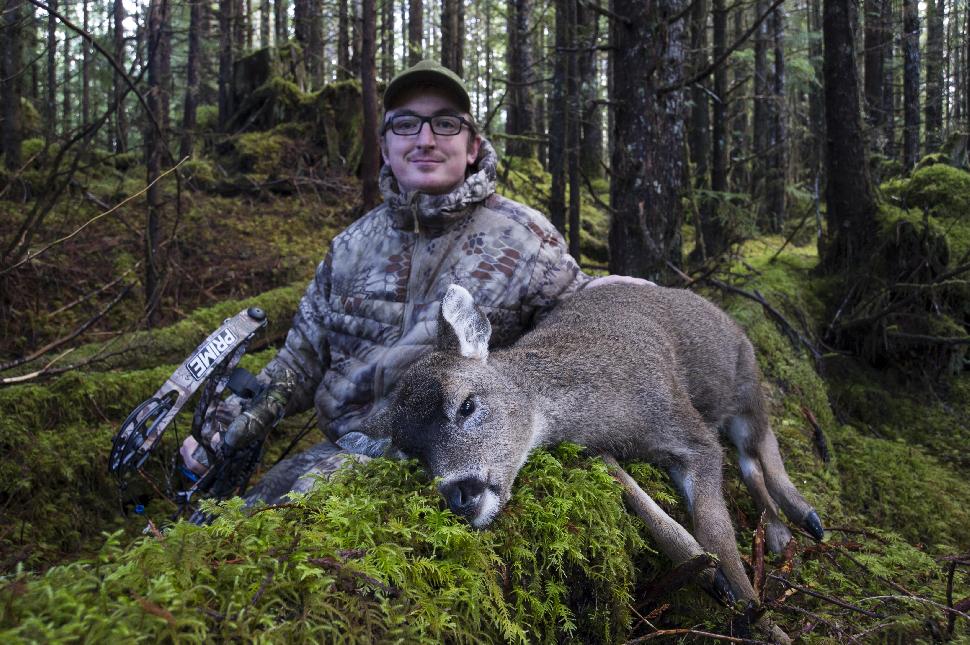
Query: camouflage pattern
{"x": 372, "y": 307}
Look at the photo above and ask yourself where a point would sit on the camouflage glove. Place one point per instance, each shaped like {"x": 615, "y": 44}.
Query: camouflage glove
{"x": 259, "y": 417}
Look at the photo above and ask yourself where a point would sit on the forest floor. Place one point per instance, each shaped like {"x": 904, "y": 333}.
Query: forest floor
{"x": 371, "y": 556}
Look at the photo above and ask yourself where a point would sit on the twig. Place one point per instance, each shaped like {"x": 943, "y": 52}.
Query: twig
{"x": 949, "y": 610}
{"x": 821, "y": 596}
{"x": 817, "y": 435}
{"x": 660, "y": 633}
{"x": 91, "y": 294}
{"x": 60, "y": 341}
{"x": 950, "y": 619}
{"x": 28, "y": 257}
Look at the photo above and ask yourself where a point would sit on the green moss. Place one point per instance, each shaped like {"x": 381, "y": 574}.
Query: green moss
{"x": 939, "y": 189}
{"x": 199, "y": 173}
{"x": 367, "y": 557}
{"x": 896, "y": 484}
{"x": 207, "y": 118}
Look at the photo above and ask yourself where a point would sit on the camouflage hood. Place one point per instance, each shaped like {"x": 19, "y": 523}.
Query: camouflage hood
{"x": 435, "y": 211}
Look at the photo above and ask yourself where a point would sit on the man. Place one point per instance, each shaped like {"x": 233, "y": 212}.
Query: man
{"x": 371, "y": 309}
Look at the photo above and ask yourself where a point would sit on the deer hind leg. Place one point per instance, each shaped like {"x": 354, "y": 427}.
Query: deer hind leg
{"x": 697, "y": 472}
{"x": 764, "y": 473}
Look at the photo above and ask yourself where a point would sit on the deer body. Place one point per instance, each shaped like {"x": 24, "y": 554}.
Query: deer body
{"x": 636, "y": 372}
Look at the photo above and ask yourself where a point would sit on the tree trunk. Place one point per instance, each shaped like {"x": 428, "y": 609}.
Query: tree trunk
{"x": 11, "y": 83}
{"x": 739, "y": 174}
{"x": 264, "y": 23}
{"x": 849, "y": 195}
{"x": 648, "y": 160}
{"x": 387, "y": 39}
{"x": 67, "y": 103}
{"x": 591, "y": 152}
{"x": 889, "y": 82}
{"x": 239, "y": 27}
{"x": 713, "y": 231}
{"x": 247, "y": 21}
{"x": 762, "y": 119}
{"x": 933, "y": 109}
{"x": 225, "y": 61}
{"x": 574, "y": 128}
{"x": 192, "y": 74}
{"x": 85, "y": 69}
{"x": 343, "y": 40}
{"x": 368, "y": 81}
{"x": 816, "y": 96}
{"x": 520, "y": 119}
{"x": 157, "y": 11}
{"x": 50, "y": 129}
{"x": 314, "y": 45}
{"x": 874, "y": 62}
{"x": 415, "y": 31}
{"x": 452, "y": 45}
{"x": 557, "y": 120}
{"x": 699, "y": 135}
{"x": 910, "y": 84}
{"x": 778, "y": 159}
{"x": 281, "y": 19}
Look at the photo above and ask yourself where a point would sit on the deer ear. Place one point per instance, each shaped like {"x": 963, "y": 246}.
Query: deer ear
{"x": 462, "y": 326}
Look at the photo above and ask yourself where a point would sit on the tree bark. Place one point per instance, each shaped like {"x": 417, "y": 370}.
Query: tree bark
{"x": 415, "y": 31}
{"x": 264, "y": 23}
{"x": 760, "y": 127}
{"x": 933, "y": 109}
{"x": 889, "y": 82}
{"x": 699, "y": 134}
{"x": 911, "y": 117}
{"x": 11, "y": 83}
{"x": 281, "y": 26}
{"x": 452, "y": 41}
{"x": 520, "y": 111}
{"x": 850, "y": 197}
{"x": 387, "y": 39}
{"x": 574, "y": 129}
{"x": 368, "y": 79}
{"x": 67, "y": 103}
{"x": 557, "y": 120}
{"x": 648, "y": 161}
{"x": 50, "y": 129}
{"x": 591, "y": 152}
{"x": 314, "y": 45}
{"x": 874, "y": 58}
{"x": 192, "y": 74}
{"x": 226, "y": 8}
{"x": 778, "y": 169}
{"x": 343, "y": 40}
{"x": 85, "y": 66}
{"x": 816, "y": 96}
{"x": 154, "y": 146}
{"x": 713, "y": 231}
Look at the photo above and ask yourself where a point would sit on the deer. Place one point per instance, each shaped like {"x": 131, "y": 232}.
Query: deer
{"x": 633, "y": 372}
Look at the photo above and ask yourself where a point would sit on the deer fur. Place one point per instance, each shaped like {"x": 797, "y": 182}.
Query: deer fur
{"x": 637, "y": 372}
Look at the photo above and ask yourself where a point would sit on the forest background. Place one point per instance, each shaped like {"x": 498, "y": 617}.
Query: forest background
{"x": 804, "y": 163}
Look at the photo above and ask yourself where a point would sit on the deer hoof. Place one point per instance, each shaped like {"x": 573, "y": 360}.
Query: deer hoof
{"x": 813, "y": 525}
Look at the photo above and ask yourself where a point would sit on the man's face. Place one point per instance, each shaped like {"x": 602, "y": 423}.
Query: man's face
{"x": 429, "y": 162}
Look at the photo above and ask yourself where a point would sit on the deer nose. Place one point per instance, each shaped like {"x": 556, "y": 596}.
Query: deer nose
{"x": 464, "y": 495}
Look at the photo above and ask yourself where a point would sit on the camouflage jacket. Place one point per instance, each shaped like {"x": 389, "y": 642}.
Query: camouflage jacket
{"x": 372, "y": 307}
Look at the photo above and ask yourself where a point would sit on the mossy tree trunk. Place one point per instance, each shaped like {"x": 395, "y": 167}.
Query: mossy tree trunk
{"x": 192, "y": 80}
{"x": 849, "y": 193}
{"x": 591, "y": 153}
{"x": 557, "y": 122}
{"x": 121, "y": 120}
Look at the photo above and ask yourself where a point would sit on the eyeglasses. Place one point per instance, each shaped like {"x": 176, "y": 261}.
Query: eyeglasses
{"x": 408, "y": 125}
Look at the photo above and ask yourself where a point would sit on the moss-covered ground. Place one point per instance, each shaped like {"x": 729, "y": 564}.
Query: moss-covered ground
{"x": 372, "y": 555}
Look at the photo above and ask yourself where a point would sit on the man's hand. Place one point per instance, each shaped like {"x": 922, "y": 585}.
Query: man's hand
{"x": 618, "y": 279}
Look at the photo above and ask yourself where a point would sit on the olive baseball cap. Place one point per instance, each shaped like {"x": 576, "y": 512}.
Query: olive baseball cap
{"x": 427, "y": 72}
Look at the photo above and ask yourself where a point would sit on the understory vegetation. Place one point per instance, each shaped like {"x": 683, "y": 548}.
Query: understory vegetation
{"x": 876, "y": 441}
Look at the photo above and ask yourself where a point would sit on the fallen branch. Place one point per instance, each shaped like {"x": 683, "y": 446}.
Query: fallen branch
{"x": 822, "y": 596}
{"x": 660, "y": 633}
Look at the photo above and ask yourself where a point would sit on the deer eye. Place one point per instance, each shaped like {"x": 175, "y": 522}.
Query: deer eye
{"x": 467, "y": 407}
